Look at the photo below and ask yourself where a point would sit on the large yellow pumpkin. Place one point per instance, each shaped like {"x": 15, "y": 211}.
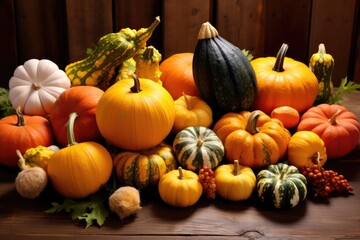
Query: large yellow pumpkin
{"x": 283, "y": 81}
{"x": 135, "y": 114}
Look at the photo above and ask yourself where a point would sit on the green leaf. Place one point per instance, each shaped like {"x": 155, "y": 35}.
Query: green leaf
{"x": 6, "y": 108}
{"x": 346, "y": 87}
{"x": 248, "y": 54}
{"x": 91, "y": 209}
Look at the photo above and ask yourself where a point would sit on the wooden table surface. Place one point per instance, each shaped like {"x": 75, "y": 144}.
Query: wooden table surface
{"x": 337, "y": 217}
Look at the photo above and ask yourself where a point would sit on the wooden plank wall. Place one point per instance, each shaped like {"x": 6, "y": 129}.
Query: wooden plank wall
{"x": 62, "y": 30}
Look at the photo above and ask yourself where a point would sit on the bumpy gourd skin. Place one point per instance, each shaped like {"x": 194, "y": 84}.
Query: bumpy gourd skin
{"x": 38, "y": 157}
{"x": 322, "y": 65}
{"x": 98, "y": 68}
{"x": 148, "y": 64}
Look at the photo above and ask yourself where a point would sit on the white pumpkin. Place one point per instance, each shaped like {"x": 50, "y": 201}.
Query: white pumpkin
{"x": 36, "y": 85}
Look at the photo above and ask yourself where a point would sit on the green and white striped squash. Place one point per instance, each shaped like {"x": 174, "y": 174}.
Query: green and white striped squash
{"x": 196, "y": 147}
{"x": 281, "y": 186}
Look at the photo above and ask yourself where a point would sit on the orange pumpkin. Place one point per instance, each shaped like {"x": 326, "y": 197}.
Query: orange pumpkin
{"x": 287, "y": 115}
{"x": 283, "y": 81}
{"x": 177, "y": 75}
{"x": 336, "y": 126}
{"x": 135, "y": 114}
{"x": 254, "y": 143}
{"x": 82, "y": 100}
{"x": 22, "y": 132}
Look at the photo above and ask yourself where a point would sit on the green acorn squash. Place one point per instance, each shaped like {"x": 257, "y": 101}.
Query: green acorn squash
{"x": 281, "y": 186}
{"x": 196, "y": 147}
{"x": 222, "y": 73}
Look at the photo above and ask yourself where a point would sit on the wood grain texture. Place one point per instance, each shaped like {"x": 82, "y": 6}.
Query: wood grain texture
{"x": 182, "y": 20}
{"x": 332, "y": 23}
{"x": 355, "y": 60}
{"x": 287, "y": 21}
{"x": 242, "y": 23}
{"x": 87, "y": 21}
{"x": 333, "y": 218}
{"x": 41, "y": 30}
{"x": 138, "y": 14}
{"x": 8, "y": 50}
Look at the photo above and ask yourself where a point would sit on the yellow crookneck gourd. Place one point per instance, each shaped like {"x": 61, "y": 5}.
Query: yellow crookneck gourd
{"x": 145, "y": 64}
{"x": 322, "y": 65}
{"x": 98, "y": 68}
{"x": 148, "y": 64}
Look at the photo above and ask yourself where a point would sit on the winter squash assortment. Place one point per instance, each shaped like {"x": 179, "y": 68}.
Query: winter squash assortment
{"x": 209, "y": 123}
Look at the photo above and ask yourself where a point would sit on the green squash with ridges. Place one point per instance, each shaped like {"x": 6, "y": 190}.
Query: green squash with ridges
{"x": 196, "y": 147}
{"x": 222, "y": 73}
{"x": 143, "y": 169}
{"x": 281, "y": 186}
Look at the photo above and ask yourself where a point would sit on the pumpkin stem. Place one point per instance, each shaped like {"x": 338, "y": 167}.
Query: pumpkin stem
{"x": 236, "y": 170}
{"x": 70, "y": 132}
{"x": 199, "y": 143}
{"x": 20, "y": 117}
{"x": 316, "y": 158}
{"x": 148, "y": 53}
{"x": 332, "y": 120}
{"x": 21, "y": 162}
{"x": 136, "y": 88}
{"x": 187, "y": 101}
{"x": 252, "y": 121}
{"x": 322, "y": 48}
{"x": 181, "y": 174}
{"x": 279, "y": 63}
{"x": 36, "y": 85}
{"x": 207, "y": 31}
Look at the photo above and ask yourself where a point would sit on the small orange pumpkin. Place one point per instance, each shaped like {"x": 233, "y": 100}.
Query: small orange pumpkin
{"x": 82, "y": 100}
{"x": 336, "y": 126}
{"x": 22, "y": 132}
{"x": 254, "y": 145}
{"x": 177, "y": 75}
{"x": 289, "y": 116}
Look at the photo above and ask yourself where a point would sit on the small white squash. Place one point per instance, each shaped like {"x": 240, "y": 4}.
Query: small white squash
{"x": 36, "y": 85}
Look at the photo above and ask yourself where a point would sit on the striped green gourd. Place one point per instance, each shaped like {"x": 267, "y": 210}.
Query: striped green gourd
{"x": 196, "y": 147}
{"x": 143, "y": 169}
{"x": 322, "y": 65}
{"x": 281, "y": 186}
{"x": 98, "y": 68}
